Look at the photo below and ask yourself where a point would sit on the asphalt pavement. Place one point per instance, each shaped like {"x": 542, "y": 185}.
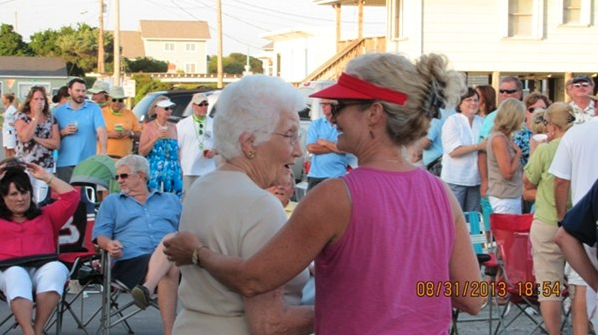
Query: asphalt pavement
{"x": 148, "y": 322}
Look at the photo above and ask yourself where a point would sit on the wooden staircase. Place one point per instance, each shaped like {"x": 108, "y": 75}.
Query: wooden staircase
{"x": 333, "y": 68}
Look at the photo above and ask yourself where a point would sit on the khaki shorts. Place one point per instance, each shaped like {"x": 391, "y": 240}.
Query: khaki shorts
{"x": 549, "y": 261}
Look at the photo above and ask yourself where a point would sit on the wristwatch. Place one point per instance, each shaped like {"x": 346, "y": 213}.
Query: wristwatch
{"x": 195, "y": 256}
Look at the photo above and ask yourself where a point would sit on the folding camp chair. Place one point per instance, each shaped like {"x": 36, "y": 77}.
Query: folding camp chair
{"x": 115, "y": 312}
{"x": 511, "y": 232}
{"x": 77, "y": 250}
{"x": 481, "y": 239}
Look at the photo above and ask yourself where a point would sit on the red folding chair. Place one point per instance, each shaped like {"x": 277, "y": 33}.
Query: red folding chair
{"x": 511, "y": 233}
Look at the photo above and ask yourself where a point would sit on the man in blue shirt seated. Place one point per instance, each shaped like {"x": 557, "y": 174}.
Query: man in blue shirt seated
{"x": 130, "y": 226}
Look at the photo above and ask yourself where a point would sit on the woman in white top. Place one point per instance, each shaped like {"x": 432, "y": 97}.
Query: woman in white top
{"x": 460, "y": 134}
{"x": 9, "y": 139}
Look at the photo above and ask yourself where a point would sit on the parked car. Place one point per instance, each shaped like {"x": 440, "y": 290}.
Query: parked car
{"x": 182, "y": 99}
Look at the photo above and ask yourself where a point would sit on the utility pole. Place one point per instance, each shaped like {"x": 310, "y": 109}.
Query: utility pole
{"x": 219, "y": 18}
{"x": 117, "y": 43}
{"x": 101, "y": 39}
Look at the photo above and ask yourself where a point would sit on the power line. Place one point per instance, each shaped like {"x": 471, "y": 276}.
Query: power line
{"x": 228, "y": 36}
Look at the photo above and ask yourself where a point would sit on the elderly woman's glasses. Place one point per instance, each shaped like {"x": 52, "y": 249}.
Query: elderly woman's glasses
{"x": 293, "y": 138}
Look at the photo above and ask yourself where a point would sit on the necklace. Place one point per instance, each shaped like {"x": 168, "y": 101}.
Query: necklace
{"x": 198, "y": 126}
{"x": 115, "y": 113}
{"x": 159, "y": 125}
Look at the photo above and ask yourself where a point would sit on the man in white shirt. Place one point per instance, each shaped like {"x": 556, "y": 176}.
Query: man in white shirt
{"x": 574, "y": 168}
{"x": 196, "y": 140}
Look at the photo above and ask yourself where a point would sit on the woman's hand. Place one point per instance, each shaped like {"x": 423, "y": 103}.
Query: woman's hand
{"x": 38, "y": 172}
{"x": 163, "y": 132}
{"x": 179, "y": 248}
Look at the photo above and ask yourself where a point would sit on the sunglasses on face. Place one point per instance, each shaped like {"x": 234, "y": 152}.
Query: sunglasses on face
{"x": 578, "y": 85}
{"x": 118, "y": 100}
{"x": 203, "y": 104}
{"x": 122, "y": 176}
{"x": 167, "y": 108}
{"x": 508, "y": 91}
{"x": 531, "y": 109}
{"x": 336, "y": 108}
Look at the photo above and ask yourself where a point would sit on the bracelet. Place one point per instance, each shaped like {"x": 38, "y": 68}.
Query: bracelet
{"x": 50, "y": 180}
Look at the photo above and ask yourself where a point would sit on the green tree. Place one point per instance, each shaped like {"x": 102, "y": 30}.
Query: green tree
{"x": 145, "y": 65}
{"x": 11, "y": 42}
{"x": 43, "y": 43}
{"x": 145, "y": 84}
{"x": 235, "y": 64}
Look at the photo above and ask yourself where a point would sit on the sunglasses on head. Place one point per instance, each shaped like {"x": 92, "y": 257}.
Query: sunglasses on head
{"x": 584, "y": 84}
{"x": 122, "y": 176}
{"x": 203, "y": 104}
{"x": 508, "y": 91}
{"x": 118, "y": 100}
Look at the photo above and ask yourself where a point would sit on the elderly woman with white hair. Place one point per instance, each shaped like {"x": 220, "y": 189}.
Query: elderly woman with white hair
{"x": 256, "y": 132}
{"x": 392, "y": 250}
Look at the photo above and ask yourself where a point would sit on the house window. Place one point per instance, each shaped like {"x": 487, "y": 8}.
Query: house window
{"x": 190, "y": 68}
{"x": 575, "y": 12}
{"x": 397, "y": 19}
{"x": 25, "y": 87}
{"x": 524, "y": 18}
{"x": 190, "y": 47}
{"x": 168, "y": 46}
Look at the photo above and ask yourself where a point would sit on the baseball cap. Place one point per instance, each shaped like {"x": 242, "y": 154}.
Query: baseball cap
{"x": 199, "y": 98}
{"x": 99, "y": 86}
{"x": 117, "y": 92}
{"x": 581, "y": 79}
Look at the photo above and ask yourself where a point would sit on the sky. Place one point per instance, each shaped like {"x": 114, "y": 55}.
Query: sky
{"x": 243, "y": 21}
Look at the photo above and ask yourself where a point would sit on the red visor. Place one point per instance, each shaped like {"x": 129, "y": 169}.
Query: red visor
{"x": 350, "y": 87}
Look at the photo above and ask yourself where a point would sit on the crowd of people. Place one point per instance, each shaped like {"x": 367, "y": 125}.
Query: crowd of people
{"x": 243, "y": 262}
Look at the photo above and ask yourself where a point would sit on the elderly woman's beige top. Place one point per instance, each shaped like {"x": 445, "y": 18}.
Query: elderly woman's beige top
{"x": 235, "y": 217}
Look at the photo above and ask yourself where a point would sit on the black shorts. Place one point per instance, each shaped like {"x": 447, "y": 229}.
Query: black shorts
{"x": 131, "y": 271}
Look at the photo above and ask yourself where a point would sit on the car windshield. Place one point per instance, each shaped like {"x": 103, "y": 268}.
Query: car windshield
{"x": 142, "y": 106}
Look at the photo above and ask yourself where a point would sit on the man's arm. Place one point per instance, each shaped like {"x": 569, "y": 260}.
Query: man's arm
{"x": 268, "y": 314}
{"x": 561, "y": 194}
{"x": 576, "y": 255}
{"x": 102, "y": 136}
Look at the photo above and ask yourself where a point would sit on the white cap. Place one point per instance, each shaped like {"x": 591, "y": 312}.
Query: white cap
{"x": 165, "y": 103}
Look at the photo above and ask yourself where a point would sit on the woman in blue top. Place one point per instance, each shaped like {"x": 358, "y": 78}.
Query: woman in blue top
{"x": 158, "y": 143}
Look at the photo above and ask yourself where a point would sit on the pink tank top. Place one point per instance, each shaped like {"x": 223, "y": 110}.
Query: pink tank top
{"x": 401, "y": 233}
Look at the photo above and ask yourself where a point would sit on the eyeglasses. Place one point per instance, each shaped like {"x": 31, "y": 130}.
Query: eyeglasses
{"x": 167, "y": 108}
{"x": 122, "y": 176}
{"x": 293, "y": 138}
{"x": 584, "y": 84}
{"x": 118, "y": 100}
{"x": 508, "y": 91}
{"x": 336, "y": 108}
{"x": 202, "y": 104}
